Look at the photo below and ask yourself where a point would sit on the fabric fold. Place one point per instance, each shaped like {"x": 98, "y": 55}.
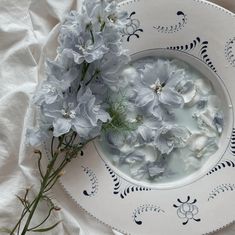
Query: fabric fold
{"x": 28, "y": 34}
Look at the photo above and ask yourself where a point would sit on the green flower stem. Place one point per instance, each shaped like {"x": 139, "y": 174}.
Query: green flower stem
{"x": 40, "y": 194}
{"x": 49, "y": 213}
{"x": 92, "y": 36}
{"x": 93, "y": 76}
{"x": 24, "y": 212}
{"x": 18, "y": 223}
{"x": 102, "y": 26}
{"x": 85, "y": 70}
{"x": 51, "y": 176}
{"x": 53, "y": 173}
{"x": 57, "y": 171}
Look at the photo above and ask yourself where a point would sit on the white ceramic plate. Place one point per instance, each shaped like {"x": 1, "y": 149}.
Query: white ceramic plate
{"x": 202, "y": 34}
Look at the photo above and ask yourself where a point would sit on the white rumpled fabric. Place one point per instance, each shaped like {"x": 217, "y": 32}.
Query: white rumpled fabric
{"x": 27, "y": 32}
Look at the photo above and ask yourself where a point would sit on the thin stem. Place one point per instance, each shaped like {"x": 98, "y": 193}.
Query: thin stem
{"x": 22, "y": 215}
{"x": 92, "y": 36}
{"x": 50, "y": 168}
{"x": 21, "y": 218}
{"x": 61, "y": 141}
{"x": 55, "y": 174}
{"x": 48, "y": 180}
{"x": 72, "y": 138}
{"x": 85, "y": 70}
{"x": 39, "y": 163}
{"x": 93, "y": 76}
{"x": 57, "y": 171}
{"x": 102, "y": 26}
{"x": 49, "y": 213}
{"x": 62, "y": 164}
{"x": 52, "y": 146}
{"x": 53, "y": 183}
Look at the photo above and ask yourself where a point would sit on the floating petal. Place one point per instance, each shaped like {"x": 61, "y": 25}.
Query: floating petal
{"x": 204, "y": 86}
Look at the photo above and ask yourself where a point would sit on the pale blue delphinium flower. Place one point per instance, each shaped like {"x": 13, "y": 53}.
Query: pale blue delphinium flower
{"x": 60, "y": 75}
{"x": 80, "y": 37}
{"x": 36, "y": 136}
{"x": 110, "y": 67}
{"x": 89, "y": 51}
{"x": 49, "y": 92}
{"x": 116, "y": 17}
{"x": 109, "y": 19}
{"x": 115, "y": 140}
{"x": 63, "y": 68}
{"x": 148, "y": 169}
{"x": 63, "y": 115}
{"x": 91, "y": 115}
{"x": 148, "y": 104}
{"x": 171, "y": 136}
{"x": 218, "y": 121}
{"x": 88, "y": 38}
{"x": 157, "y": 86}
{"x": 112, "y": 20}
{"x": 73, "y": 28}
{"x": 82, "y": 115}
{"x": 131, "y": 157}
{"x": 147, "y": 130}
{"x": 113, "y": 40}
{"x": 107, "y": 12}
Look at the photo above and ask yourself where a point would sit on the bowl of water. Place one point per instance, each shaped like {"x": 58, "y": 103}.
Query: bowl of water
{"x": 181, "y": 115}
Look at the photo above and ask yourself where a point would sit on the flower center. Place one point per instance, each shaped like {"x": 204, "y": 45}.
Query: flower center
{"x": 81, "y": 48}
{"x": 139, "y": 119}
{"x": 50, "y": 88}
{"x": 157, "y": 87}
{"x": 68, "y": 113}
{"x": 112, "y": 18}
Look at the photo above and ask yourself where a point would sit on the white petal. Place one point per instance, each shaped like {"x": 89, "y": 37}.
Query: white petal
{"x": 61, "y": 126}
{"x": 187, "y": 90}
{"x": 204, "y": 86}
{"x": 170, "y": 97}
{"x": 144, "y": 97}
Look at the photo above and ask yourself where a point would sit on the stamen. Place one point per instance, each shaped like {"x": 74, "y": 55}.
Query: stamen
{"x": 68, "y": 114}
{"x": 157, "y": 87}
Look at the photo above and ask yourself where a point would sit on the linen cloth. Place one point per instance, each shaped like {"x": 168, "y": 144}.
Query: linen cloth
{"x": 28, "y": 29}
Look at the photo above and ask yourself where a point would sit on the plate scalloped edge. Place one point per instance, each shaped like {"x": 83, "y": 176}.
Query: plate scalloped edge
{"x": 211, "y": 4}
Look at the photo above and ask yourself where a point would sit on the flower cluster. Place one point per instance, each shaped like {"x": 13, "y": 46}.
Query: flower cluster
{"x": 158, "y": 91}
{"x": 87, "y": 67}
{"x": 72, "y": 101}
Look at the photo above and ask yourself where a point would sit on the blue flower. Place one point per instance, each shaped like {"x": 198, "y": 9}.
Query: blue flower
{"x": 87, "y": 50}
{"x": 49, "y": 92}
{"x": 83, "y": 115}
{"x": 147, "y": 130}
{"x": 113, "y": 41}
{"x": 63, "y": 69}
{"x": 171, "y": 136}
{"x": 73, "y": 28}
{"x": 131, "y": 158}
{"x": 158, "y": 86}
{"x": 107, "y": 12}
{"x": 110, "y": 68}
{"x": 148, "y": 169}
{"x": 60, "y": 76}
{"x": 91, "y": 115}
{"x": 36, "y": 136}
{"x": 90, "y": 58}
